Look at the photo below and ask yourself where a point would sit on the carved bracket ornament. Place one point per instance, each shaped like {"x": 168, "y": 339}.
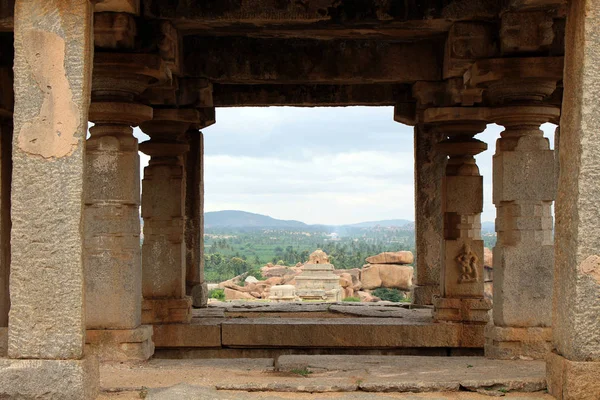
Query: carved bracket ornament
{"x": 467, "y": 262}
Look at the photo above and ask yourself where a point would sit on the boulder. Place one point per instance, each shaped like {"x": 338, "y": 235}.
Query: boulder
{"x": 398, "y": 257}
{"x": 250, "y": 279}
{"x": 278, "y": 271}
{"x": 386, "y": 275}
{"x": 367, "y": 297}
{"x": 231, "y": 294}
{"x": 354, "y": 272}
{"x": 488, "y": 257}
{"x": 276, "y": 280}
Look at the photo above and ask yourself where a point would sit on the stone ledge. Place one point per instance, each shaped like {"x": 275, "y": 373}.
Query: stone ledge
{"x": 572, "y": 380}
{"x": 166, "y": 311}
{"x": 121, "y": 344}
{"x": 511, "y": 343}
{"x": 188, "y": 335}
{"x": 347, "y": 333}
{"x": 49, "y": 379}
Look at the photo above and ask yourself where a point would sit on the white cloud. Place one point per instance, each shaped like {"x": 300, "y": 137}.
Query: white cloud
{"x": 319, "y": 165}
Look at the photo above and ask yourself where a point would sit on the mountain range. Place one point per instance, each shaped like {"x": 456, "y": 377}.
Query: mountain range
{"x": 243, "y": 219}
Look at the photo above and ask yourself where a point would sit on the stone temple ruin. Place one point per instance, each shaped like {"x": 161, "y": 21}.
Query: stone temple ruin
{"x": 317, "y": 280}
{"x": 75, "y": 285}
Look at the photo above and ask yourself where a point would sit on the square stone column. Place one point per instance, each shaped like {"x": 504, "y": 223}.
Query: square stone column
{"x": 163, "y": 210}
{"x": 6, "y": 133}
{"x": 52, "y": 71}
{"x": 196, "y": 286}
{"x": 430, "y": 166}
{"x": 112, "y": 200}
{"x": 573, "y": 367}
{"x": 524, "y": 186}
{"x": 461, "y": 298}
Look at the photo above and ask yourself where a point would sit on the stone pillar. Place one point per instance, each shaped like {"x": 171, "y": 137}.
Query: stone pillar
{"x": 430, "y": 165}
{"x": 524, "y": 188}
{"x": 194, "y": 219}
{"x": 163, "y": 210}
{"x": 573, "y": 367}
{"x": 46, "y": 332}
{"x": 461, "y": 298}
{"x": 112, "y": 200}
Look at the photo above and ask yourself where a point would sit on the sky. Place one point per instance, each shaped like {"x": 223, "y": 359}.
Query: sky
{"x": 330, "y": 165}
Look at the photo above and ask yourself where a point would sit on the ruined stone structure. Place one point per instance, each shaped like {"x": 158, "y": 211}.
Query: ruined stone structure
{"x": 72, "y": 270}
{"x": 317, "y": 280}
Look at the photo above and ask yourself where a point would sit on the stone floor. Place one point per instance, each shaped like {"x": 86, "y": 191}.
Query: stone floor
{"x": 326, "y": 377}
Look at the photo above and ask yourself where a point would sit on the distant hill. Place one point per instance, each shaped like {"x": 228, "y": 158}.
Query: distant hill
{"x": 488, "y": 226}
{"x": 243, "y": 219}
{"x": 385, "y": 223}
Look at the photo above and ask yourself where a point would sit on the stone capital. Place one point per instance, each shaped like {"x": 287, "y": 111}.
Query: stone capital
{"x": 130, "y": 114}
{"x": 168, "y": 125}
{"x": 124, "y": 76}
{"x": 516, "y": 80}
{"x": 457, "y": 121}
{"x": 518, "y": 116}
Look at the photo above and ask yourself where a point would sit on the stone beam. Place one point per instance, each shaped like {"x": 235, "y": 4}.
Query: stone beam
{"x": 254, "y": 61}
{"x": 321, "y": 18}
{"x": 309, "y": 95}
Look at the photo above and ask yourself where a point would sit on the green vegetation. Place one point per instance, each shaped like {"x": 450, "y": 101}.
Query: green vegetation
{"x": 218, "y": 294}
{"x": 389, "y": 294}
{"x": 234, "y": 251}
{"x": 352, "y": 299}
{"x": 301, "y": 371}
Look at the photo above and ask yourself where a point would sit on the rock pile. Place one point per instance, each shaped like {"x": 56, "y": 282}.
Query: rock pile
{"x": 281, "y": 283}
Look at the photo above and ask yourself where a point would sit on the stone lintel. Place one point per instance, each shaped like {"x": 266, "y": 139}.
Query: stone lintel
{"x": 121, "y": 344}
{"x": 535, "y": 4}
{"x": 310, "y": 95}
{"x": 49, "y": 379}
{"x": 572, "y": 380}
{"x": 166, "y": 311}
{"x": 123, "y": 6}
{"x": 255, "y": 61}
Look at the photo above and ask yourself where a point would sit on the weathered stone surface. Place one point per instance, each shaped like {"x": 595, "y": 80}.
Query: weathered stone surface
{"x": 474, "y": 310}
{"x": 205, "y": 332}
{"x": 52, "y": 68}
{"x": 526, "y": 32}
{"x": 121, "y": 345}
{"x": 394, "y": 276}
{"x": 251, "y": 61}
{"x": 466, "y": 42}
{"x": 49, "y": 379}
{"x": 430, "y": 165}
{"x": 398, "y": 257}
{"x": 576, "y": 309}
{"x": 166, "y": 311}
{"x": 342, "y": 332}
{"x": 572, "y": 380}
{"x": 231, "y": 294}
{"x": 513, "y": 343}
{"x": 126, "y": 6}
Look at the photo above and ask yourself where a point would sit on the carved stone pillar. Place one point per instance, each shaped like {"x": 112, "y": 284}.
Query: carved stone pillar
{"x": 112, "y": 199}
{"x": 196, "y": 287}
{"x": 163, "y": 210}
{"x": 524, "y": 188}
{"x": 461, "y": 298}
{"x": 46, "y": 327}
{"x": 430, "y": 165}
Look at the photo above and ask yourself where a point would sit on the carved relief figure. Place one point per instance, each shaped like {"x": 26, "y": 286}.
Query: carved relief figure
{"x": 467, "y": 260}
